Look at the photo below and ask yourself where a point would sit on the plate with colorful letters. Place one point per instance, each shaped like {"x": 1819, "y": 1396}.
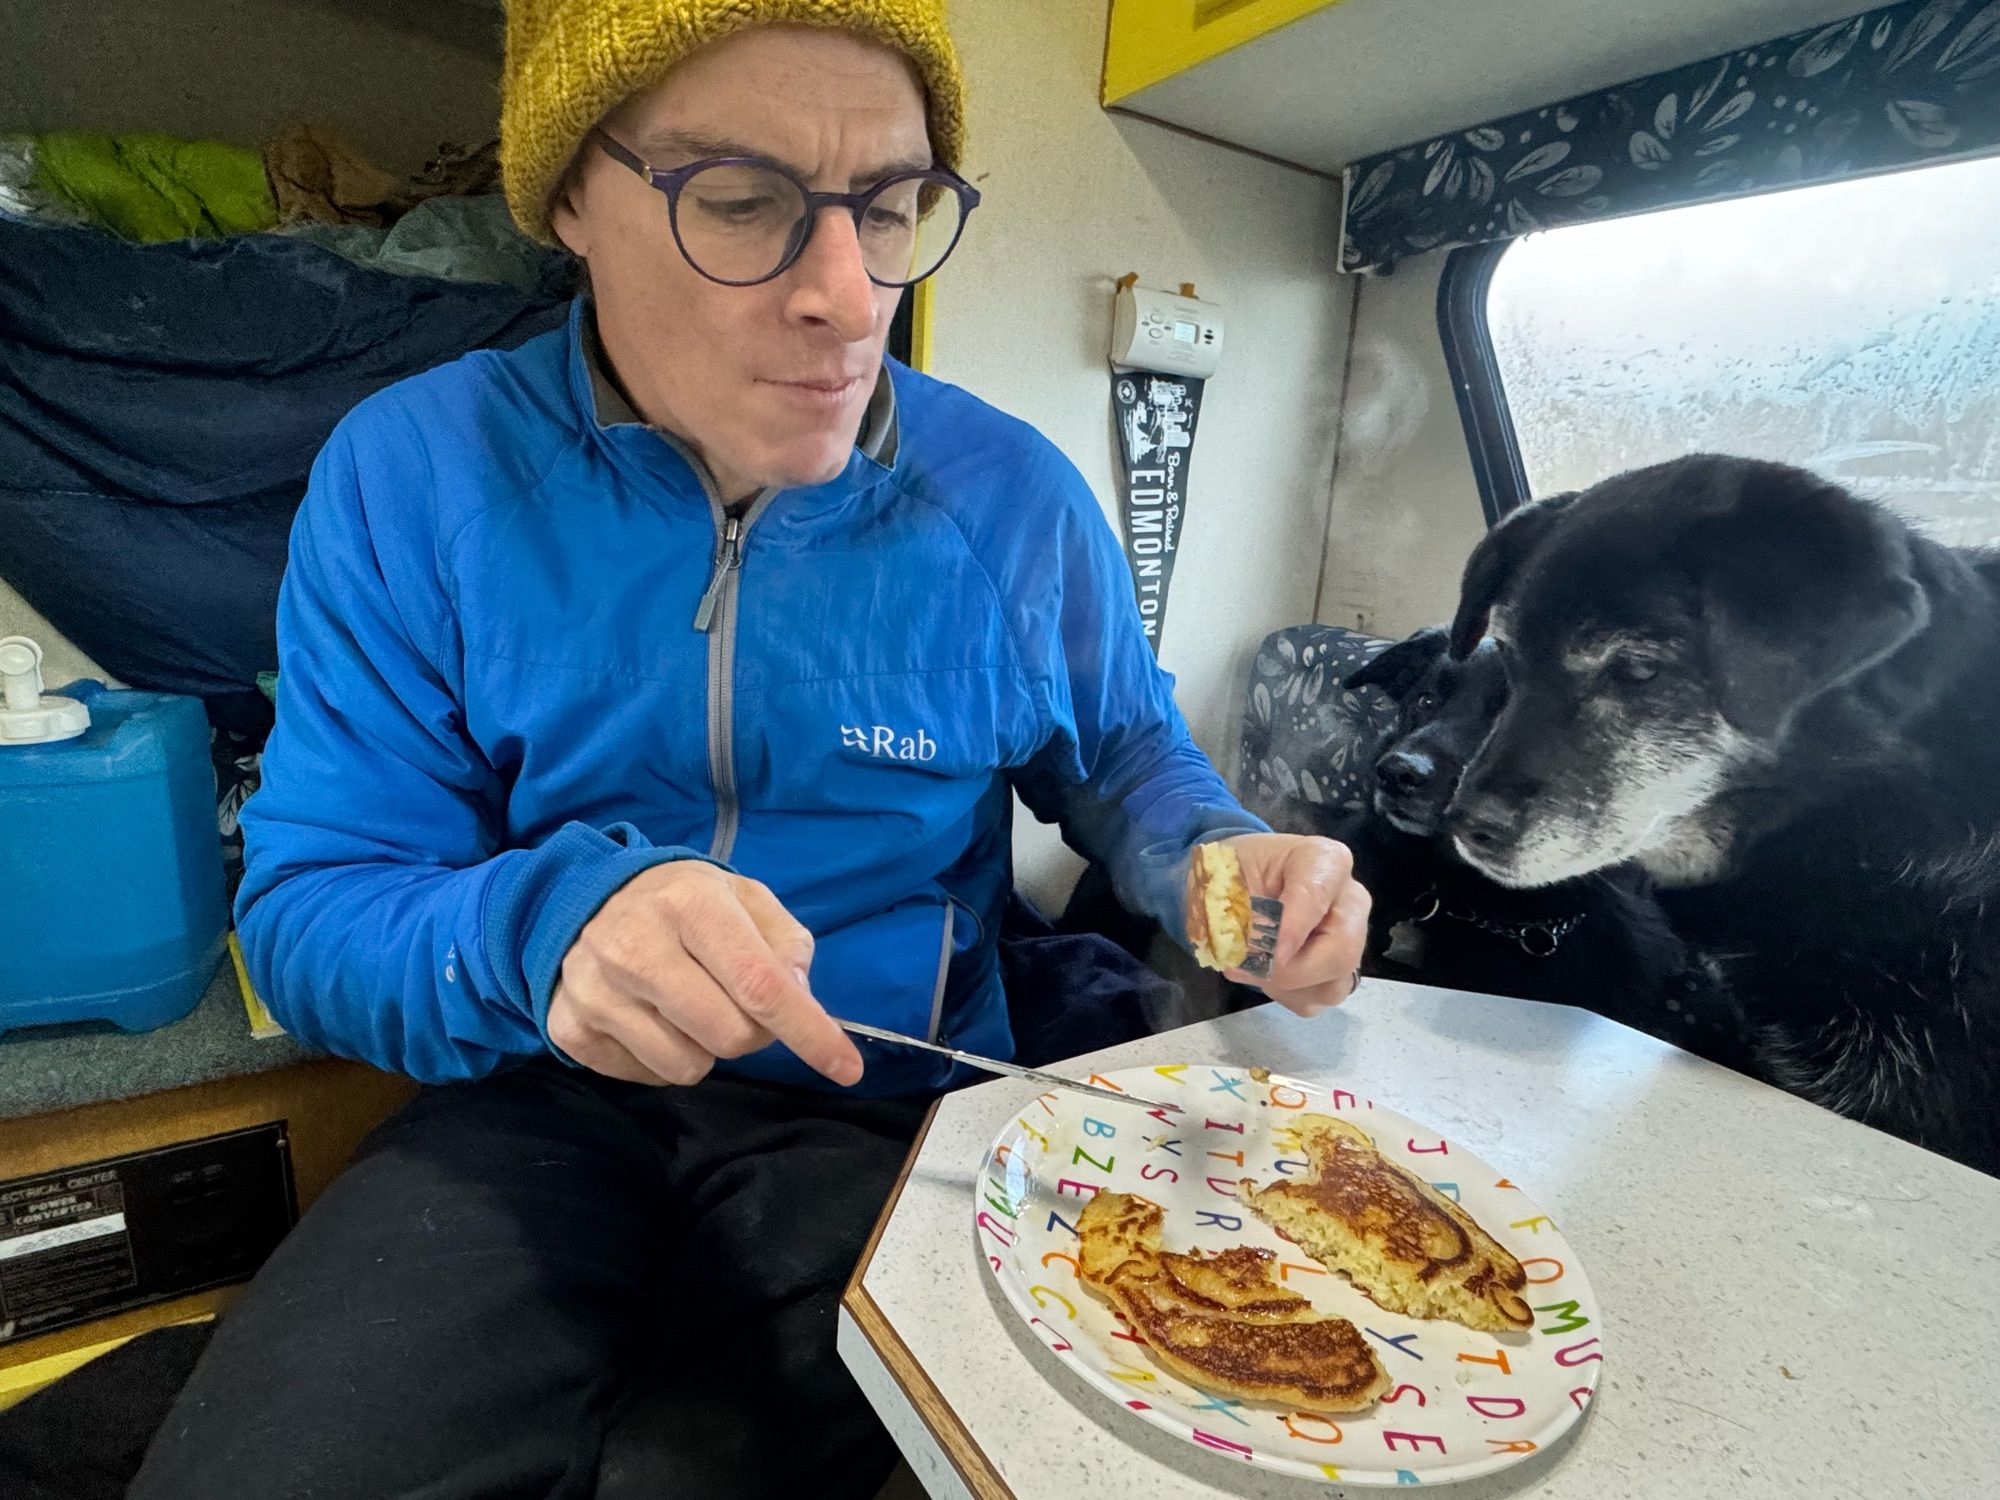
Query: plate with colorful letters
{"x": 1462, "y": 1404}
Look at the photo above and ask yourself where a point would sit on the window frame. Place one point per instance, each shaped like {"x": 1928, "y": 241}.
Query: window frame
{"x": 1490, "y": 440}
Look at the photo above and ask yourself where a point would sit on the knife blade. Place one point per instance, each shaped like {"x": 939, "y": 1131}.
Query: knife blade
{"x": 1004, "y": 1069}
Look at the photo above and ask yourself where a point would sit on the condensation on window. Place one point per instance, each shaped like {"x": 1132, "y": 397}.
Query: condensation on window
{"x": 1853, "y": 329}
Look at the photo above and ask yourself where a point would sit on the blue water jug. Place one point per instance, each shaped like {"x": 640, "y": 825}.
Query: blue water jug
{"x": 110, "y": 860}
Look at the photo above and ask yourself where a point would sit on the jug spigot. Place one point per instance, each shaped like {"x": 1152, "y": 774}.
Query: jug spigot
{"x": 27, "y": 717}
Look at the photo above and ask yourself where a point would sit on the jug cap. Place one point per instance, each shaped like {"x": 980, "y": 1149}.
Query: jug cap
{"x": 27, "y": 715}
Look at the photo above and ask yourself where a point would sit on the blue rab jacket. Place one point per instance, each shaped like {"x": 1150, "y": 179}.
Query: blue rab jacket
{"x": 525, "y": 653}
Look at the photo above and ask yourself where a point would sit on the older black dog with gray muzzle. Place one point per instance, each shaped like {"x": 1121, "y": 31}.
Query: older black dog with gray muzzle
{"x": 1784, "y": 704}
{"x": 1599, "y": 941}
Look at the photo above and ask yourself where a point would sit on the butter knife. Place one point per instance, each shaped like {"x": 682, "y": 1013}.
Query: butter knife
{"x": 1005, "y": 1070}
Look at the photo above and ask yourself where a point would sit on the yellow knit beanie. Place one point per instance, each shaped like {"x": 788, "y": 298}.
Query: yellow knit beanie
{"x": 570, "y": 62}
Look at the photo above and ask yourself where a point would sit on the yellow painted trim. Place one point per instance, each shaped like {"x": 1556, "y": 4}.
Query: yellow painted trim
{"x": 1150, "y": 40}
{"x": 262, "y": 1025}
{"x": 922, "y": 310}
{"x": 20, "y": 1382}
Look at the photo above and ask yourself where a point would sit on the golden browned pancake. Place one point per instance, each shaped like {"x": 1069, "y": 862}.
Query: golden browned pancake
{"x": 1393, "y": 1235}
{"x": 1219, "y": 1321}
{"x": 1218, "y": 907}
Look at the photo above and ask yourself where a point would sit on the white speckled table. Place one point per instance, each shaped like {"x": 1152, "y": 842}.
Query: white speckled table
{"x": 1794, "y": 1305}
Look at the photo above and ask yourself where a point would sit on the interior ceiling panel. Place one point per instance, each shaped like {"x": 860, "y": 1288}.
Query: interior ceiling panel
{"x": 1365, "y": 76}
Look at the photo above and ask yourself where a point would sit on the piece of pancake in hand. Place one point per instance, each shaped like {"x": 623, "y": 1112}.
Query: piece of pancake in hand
{"x": 1402, "y": 1242}
{"x": 1218, "y": 907}
{"x": 1219, "y": 1321}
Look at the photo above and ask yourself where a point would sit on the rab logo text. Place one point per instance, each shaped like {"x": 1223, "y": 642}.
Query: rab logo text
{"x": 883, "y": 743}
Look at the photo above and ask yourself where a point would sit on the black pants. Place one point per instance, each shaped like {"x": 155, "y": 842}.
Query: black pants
{"x": 548, "y": 1285}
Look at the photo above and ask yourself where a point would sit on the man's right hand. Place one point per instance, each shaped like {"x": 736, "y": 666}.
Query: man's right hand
{"x": 687, "y": 963}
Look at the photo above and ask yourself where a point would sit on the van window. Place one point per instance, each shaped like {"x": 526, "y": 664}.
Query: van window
{"x": 1853, "y": 328}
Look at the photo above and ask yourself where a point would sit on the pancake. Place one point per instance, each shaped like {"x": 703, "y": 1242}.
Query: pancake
{"x": 1220, "y": 1321}
{"x": 1218, "y": 907}
{"x": 1407, "y": 1246}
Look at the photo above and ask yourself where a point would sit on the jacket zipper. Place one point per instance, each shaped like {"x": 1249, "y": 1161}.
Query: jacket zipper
{"x": 728, "y": 558}
{"x": 943, "y": 972}
{"x": 715, "y": 616}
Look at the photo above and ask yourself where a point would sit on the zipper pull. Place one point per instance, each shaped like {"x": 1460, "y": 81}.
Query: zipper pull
{"x": 728, "y": 558}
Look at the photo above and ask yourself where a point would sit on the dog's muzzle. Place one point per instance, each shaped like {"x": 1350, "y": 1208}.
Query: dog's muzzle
{"x": 1410, "y": 791}
{"x": 1483, "y": 824}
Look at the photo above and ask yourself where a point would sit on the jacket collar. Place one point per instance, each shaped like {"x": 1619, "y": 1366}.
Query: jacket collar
{"x": 660, "y": 455}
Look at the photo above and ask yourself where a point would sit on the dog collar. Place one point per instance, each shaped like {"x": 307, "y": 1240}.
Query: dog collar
{"x": 1539, "y": 939}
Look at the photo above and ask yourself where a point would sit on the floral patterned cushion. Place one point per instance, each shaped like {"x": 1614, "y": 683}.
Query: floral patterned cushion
{"x": 1307, "y": 739}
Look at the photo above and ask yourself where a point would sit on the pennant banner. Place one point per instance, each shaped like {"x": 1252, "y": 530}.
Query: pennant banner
{"x": 1156, "y": 418}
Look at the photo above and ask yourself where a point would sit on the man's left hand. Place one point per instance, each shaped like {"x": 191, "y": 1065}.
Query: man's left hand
{"x": 1325, "y": 927}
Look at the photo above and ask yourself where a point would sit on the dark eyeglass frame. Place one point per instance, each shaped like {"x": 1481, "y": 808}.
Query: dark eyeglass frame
{"x": 669, "y": 182}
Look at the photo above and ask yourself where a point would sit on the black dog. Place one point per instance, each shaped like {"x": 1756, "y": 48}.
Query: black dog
{"x": 1785, "y": 705}
{"x": 1599, "y": 941}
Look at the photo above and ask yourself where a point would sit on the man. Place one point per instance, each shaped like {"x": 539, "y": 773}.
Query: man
{"x": 649, "y": 696}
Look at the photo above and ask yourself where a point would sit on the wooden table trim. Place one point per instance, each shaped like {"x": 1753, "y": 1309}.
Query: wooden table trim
{"x": 974, "y": 1468}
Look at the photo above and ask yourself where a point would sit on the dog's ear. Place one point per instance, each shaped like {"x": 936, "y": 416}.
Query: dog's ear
{"x": 1803, "y": 588}
{"x": 1396, "y": 670}
{"x": 1495, "y": 561}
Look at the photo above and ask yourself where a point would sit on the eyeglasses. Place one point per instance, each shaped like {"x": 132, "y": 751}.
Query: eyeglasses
{"x": 742, "y": 220}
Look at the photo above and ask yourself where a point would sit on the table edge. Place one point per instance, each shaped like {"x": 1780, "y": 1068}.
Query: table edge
{"x": 974, "y": 1468}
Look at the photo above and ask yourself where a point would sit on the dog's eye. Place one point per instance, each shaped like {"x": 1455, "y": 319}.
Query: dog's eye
{"x": 1635, "y": 669}
{"x": 1426, "y": 702}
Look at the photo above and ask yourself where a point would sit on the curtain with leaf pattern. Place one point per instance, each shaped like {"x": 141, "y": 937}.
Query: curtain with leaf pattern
{"x": 1902, "y": 85}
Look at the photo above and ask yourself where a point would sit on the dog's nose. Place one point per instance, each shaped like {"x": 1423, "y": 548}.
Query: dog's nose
{"x": 1483, "y": 824}
{"x": 1405, "y": 773}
